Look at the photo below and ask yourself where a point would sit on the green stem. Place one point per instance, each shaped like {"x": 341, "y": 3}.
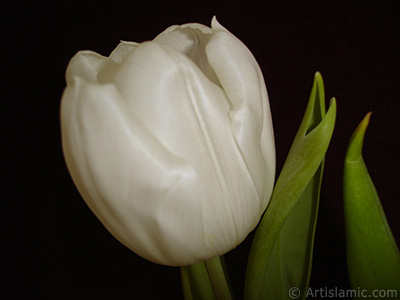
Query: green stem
{"x": 219, "y": 283}
{"x": 187, "y": 291}
{"x": 196, "y": 283}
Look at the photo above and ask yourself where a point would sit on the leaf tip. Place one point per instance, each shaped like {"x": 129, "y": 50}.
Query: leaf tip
{"x": 332, "y": 102}
{"x": 318, "y": 76}
{"x": 354, "y": 150}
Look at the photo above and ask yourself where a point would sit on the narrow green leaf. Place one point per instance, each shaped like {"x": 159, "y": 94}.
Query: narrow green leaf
{"x": 196, "y": 284}
{"x": 373, "y": 257}
{"x": 280, "y": 256}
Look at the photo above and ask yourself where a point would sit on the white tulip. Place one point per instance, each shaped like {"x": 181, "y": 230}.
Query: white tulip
{"x": 170, "y": 142}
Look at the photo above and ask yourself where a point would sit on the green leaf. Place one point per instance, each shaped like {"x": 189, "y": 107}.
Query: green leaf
{"x": 196, "y": 284}
{"x": 373, "y": 257}
{"x": 280, "y": 256}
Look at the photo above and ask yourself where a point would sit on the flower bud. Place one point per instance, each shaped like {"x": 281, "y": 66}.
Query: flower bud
{"x": 170, "y": 142}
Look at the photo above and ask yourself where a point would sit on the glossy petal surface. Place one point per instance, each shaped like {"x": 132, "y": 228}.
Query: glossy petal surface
{"x": 170, "y": 142}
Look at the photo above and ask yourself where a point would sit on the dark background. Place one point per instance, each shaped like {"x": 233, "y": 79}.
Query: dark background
{"x": 53, "y": 247}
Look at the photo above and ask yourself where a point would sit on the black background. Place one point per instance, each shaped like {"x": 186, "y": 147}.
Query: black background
{"x": 53, "y": 247}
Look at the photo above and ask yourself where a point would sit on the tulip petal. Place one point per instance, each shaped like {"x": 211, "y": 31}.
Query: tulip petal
{"x": 103, "y": 124}
{"x": 250, "y": 116}
{"x": 85, "y": 64}
{"x": 123, "y": 50}
{"x": 192, "y": 123}
{"x": 97, "y": 125}
{"x": 190, "y": 40}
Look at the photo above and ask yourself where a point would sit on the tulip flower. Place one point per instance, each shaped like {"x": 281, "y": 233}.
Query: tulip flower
{"x": 170, "y": 142}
